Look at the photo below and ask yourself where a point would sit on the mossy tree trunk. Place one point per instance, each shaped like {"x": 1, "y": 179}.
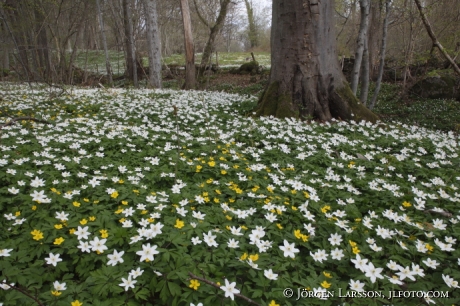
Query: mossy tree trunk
{"x": 306, "y": 80}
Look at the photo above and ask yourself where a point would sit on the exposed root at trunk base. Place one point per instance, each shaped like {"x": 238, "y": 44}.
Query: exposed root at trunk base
{"x": 322, "y": 104}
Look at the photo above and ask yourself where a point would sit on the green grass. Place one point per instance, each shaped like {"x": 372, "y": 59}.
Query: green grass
{"x": 442, "y": 114}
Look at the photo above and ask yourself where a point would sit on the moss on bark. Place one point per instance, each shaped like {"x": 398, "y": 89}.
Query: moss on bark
{"x": 273, "y": 103}
{"x": 359, "y": 112}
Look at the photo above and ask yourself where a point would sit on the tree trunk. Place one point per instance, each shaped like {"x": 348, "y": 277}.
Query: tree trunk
{"x": 374, "y": 36}
{"x": 306, "y": 80}
{"x": 365, "y": 75}
{"x": 154, "y": 42}
{"x": 252, "y": 30}
{"x": 382, "y": 54}
{"x": 190, "y": 79}
{"x": 131, "y": 67}
{"x": 364, "y": 25}
{"x": 434, "y": 39}
{"x": 104, "y": 43}
{"x": 215, "y": 29}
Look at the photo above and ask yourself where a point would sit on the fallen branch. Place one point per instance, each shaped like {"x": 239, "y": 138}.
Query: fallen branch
{"x": 26, "y": 294}
{"x": 204, "y": 280}
{"x": 442, "y": 213}
{"x": 23, "y": 118}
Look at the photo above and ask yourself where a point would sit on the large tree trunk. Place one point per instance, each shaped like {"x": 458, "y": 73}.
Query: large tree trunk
{"x": 104, "y": 43}
{"x": 306, "y": 80}
{"x": 154, "y": 42}
{"x": 131, "y": 67}
{"x": 363, "y": 27}
{"x": 190, "y": 78}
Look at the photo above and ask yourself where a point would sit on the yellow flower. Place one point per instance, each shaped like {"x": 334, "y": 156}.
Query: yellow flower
{"x": 58, "y": 226}
{"x": 17, "y": 214}
{"x": 58, "y": 241}
{"x": 124, "y": 202}
{"x": 34, "y": 207}
{"x": 294, "y": 208}
{"x": 179, "y": 224}
{"x": 144, "y": 212}
{"x": 254, "y": 257}
{"x": 429, "y": 247}
{"x": 86, "y": 200}
{"x": 244, "y": 256}
{"x": 198, "y": 168}
{"x": 243, "y": 227}
{"x": 104, "y": 233}
{"x": 37, "y": 235}
{"x": 352, "y": 243}
{"x": 92, "y": 218}
{"x": 279, "y": 225}
{"x": 325, "y": 284}
{"x": 355, "y": 250}
{"x": 293, "y": 191}
{"x": 194, "y": 284}
{"x": 114, "y": 194}
{"x": 83, "y": 221}
{"x": 273, "y": 303}
{"x": 325, "y": 209}
{"x": 96, "y": 201}
{"x": 327, "y": 274}
{"x": 223, "y": 172}
{"x": 76, "y": 204}
{"x": 236, "y": 166}
{"x": 122, "y": 220}
{"x": 406, "y": 204}
{"x": 228, "y": 217}
{"x": 76, "y": 303}
{"x": 306, "y": 194}
{"x": 56, "y": 293}
{"x": 120, "y": 181}
{"x": 297, "y": 234}
{"x": 72, "y": 230}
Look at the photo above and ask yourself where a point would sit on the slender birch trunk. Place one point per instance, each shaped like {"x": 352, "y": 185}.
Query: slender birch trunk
{"x": 154, "y": 42}
{"x": 104, "y": 43}
{"x": 382, "y": 53}
{"x": 364, "y": 4}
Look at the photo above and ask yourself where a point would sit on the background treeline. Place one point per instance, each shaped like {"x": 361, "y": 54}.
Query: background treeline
{"x": 41, "y": 39}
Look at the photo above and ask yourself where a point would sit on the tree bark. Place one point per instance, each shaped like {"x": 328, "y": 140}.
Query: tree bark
{"x": 306, "y": 80}
{"x": 104, "y": 43}
{"x": 190, "y": 78}
{"x": 374, "y": 36}
{"x": 434, "y": 39}
{"x": 154, "y": 42}
{"x": 382, "y": 54}
{"x": 131, "y": 67}
{"x": 364, "y": 25}
{"x": 365, "y": 73}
